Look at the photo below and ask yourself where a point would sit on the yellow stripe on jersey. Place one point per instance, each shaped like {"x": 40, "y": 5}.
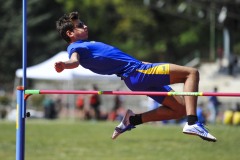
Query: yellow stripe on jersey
{"x": 160, "y": 69}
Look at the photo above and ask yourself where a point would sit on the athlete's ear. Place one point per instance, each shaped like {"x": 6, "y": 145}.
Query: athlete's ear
{"x": 69, "y": 33}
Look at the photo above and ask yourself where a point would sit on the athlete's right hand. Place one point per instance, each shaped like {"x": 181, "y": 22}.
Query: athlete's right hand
{"x": 59, "y": 66}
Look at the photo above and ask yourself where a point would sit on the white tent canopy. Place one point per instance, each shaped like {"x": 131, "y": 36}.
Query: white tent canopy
{"x": 69, "y": 79}
{"x": 45, "y": 70}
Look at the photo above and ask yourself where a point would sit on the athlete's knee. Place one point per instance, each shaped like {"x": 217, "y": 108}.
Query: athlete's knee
{"x": 194, "y": 73}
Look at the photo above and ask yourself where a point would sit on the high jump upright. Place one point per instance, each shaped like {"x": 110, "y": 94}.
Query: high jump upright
{"x": 21, "y": 102}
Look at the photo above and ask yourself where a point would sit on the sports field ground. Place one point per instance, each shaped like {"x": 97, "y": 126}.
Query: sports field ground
{"x": 89, "y": 140}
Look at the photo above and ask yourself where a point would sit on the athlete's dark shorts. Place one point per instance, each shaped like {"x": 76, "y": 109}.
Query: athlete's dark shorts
{"x": 150, "y": 77}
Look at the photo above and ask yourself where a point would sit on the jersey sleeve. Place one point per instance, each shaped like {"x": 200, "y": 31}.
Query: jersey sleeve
{"x": 81, "y": 50}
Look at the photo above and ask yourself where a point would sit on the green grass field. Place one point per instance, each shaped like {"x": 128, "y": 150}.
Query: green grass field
{"x": 72, "y": 140}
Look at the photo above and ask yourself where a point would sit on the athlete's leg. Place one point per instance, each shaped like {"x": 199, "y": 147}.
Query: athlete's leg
{"x": 190, "y": 78}
{"x": 173, "y": 108}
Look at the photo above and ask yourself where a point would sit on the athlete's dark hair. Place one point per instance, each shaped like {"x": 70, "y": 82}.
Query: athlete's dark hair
{"x": 65, "y": 23}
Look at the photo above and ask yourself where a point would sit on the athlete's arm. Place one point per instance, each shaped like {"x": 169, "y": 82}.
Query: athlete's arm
{"x": 73, "y": 62}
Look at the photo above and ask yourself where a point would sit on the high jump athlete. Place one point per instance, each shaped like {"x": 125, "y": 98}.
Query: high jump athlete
{"x": 105, "y": 59}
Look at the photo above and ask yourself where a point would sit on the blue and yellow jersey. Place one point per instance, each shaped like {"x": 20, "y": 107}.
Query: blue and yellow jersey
{"x": 103, "y": 59}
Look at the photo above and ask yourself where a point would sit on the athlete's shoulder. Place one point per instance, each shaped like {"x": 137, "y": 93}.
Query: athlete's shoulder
{"x": 77, "y": 44}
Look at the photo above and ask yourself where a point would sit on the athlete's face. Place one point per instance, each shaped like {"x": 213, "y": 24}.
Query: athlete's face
{"x": 80, "y": 31}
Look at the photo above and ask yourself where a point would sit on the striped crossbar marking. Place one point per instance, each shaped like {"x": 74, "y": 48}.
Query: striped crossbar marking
{"x": 185, "y": 93}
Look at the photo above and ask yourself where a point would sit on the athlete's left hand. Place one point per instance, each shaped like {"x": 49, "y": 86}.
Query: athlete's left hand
{"x": 59, "y": 66}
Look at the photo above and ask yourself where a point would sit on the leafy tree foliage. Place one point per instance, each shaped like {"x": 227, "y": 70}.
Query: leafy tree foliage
{"x": 42, "y": 38}
{"x": 10, "y": 30}
{"x": 143, "y": 32}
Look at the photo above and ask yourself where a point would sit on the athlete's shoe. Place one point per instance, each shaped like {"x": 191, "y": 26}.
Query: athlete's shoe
{"x": 124, "y": 125}
{"x": 199, "y": 130}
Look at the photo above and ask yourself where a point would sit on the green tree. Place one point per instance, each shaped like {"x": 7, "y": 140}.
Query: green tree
{"x": 10, "y": 30}
{"x": 42, "y": 38}
{"x": 141, "y": 31}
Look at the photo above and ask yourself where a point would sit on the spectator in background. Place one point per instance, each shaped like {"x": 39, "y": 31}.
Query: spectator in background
{"x": 201, "y": 114}
{"x": 58, "y": 104}
{"x": 80, "y": 100}
{"x": 238, "y": 107}
{"x": 220, "y": 57}
{"x": 213, "y": 106}
{"x": 49, "y": 108}
{"x": 95, "y": 103}
{"x": 236, "y": 115}
{"x": 117, "y": 102}
{"x": 3, "y": 113}
{"x": 115, "y": 113}
{"x": 233, "y": 61}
